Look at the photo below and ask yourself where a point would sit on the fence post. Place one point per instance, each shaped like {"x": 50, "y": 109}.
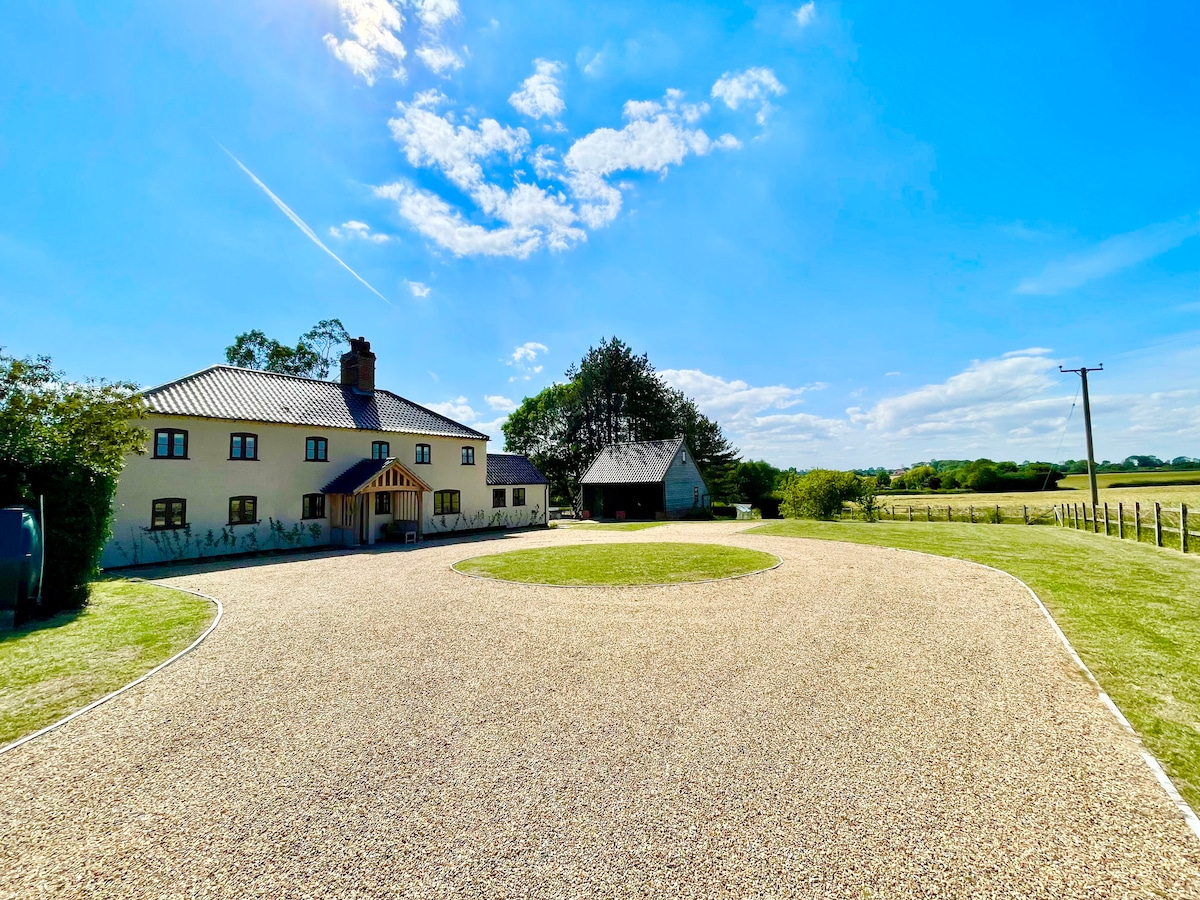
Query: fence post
{"x": 1157, "y": 524}
{"x": 910, "y": 514}
{"x": 1095, "y": 520}
{"x": 1183, "y": 535}
{"x": 949, "y": 518}
{"x": 1075, "y": 511}
{"x": 1106, "y": 518}
{"x": 1137, "y": 522}
{"x": 929, "y": 514}
{"x": 1121, "y": 521}
{"x": 971, "y": 513}
{"x": 1025, "y": 514}
{"x": 999, "y": 518}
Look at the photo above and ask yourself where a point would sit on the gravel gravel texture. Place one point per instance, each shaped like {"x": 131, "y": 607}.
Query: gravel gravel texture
{"x": 856, "y": 723}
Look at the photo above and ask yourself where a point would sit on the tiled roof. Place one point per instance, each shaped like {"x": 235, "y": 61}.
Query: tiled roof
{"x": 512, "y": 468}
{"x": 228, "y": 392}
{"x": 356, "y": 476}
{"x": 643, "y": 462}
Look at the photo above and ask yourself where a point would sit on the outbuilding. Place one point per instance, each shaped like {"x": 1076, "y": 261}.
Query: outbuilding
{"x": 644, "y": 480}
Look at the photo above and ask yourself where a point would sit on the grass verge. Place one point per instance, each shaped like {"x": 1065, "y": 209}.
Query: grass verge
{"x": 619, "y": 564}
{"x": 56, "y": 666}
{"x": 1131, "y": 611}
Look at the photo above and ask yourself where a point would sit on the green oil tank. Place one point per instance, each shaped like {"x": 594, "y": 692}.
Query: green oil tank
{"x": 21, "y": 560}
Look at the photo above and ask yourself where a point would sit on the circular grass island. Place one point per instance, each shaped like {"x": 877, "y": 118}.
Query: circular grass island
{"x": 619, "y": 564}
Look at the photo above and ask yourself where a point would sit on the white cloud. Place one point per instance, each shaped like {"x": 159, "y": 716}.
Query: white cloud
{"x": 524, "y": 360}
{"x": 1110, "y": 256}
{"x": 656, "y": 137}
{"x": 439, "y": 58}
{"x": 434, "y": 13}
{"x": 374, "y": 27}
{"x": 433, "y": 217}
{"x": 418, "y": 289}
{"x": 500, "y": 403}
{"x": 356, "y": 229}
{"x": 754, "y": 85}
{"x": 541, "y": 93}
{"x": 457, "y": 409}
{"x": 806, "y": 13}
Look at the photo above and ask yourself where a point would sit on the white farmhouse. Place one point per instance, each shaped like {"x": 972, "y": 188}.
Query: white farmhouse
{"x": 243, "y": 460}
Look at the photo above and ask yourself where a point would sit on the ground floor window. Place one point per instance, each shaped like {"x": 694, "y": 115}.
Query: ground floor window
{"x": 169, "y": 512}
{"x": 383, "y": 504}
{"x": 499, "y": 498}
{"x": 313, "y": 506}
{"x": 518, "y": 496}
{"x": 446, "y": 503}
{"x": 243, "y": 510}
{"x": 695, "y": 496}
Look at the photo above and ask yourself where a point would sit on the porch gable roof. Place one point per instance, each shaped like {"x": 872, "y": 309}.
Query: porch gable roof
{"x": 365, "y": 471}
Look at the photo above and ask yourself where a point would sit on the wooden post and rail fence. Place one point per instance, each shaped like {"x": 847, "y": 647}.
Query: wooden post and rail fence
{"x": 1151, "y": 524}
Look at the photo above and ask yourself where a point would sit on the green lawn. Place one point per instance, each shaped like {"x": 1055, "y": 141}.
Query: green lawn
{"x": 54, "y": 667}
{"x": 1130, "y": 610}
{"x": 1130, "y": 479}
{"x": 619, "y": 564}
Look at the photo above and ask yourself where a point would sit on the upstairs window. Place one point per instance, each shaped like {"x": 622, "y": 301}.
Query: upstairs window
{"x": 468, "y": 456}
{"x": 243, "y": 446}
{"x": 518, "y": 496}
{"x": 313, "y": 506}
{"x": 446, "y": 503}
{"x": 423, "y": 454}
{"x": 683, "y": 457}
{"x": 316, "y": 449}
{"x": 170, "y": 443}
{"x": 169, "y": 512}
{"x": 243, "y": 510}
{"x": 380, "y": 450}
{"x": 383, "y": 504}
{"x": 499, "y": 498}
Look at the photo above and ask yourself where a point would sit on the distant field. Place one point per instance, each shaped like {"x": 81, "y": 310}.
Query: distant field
{"x": 1170, "y": 496}
{"x": 1131, "y": 479}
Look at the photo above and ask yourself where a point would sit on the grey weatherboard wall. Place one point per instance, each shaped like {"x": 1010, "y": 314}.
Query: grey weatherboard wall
{"x": 683, "y": 485}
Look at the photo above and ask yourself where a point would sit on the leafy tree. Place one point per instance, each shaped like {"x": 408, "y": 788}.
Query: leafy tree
{"x": 755, "y": 479}
{"x": 612, "y": 395}
{"x": 65, "y": 442}
{"x": 821, "y": 493}
{"x": 312, "y": 356}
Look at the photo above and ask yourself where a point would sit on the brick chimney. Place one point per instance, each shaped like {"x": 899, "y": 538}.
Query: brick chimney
{"x": 358, "y": 366}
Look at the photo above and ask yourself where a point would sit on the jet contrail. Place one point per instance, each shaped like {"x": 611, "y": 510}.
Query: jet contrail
{"x": 299, "y": 223}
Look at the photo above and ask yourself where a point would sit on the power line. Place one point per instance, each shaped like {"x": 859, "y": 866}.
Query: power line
{"x": 1062, "y": 438}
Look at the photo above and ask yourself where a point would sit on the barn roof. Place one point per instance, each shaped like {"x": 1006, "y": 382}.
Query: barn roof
{"x": 640, "y": 462}
{"x": 229, "y": 392}
{"x": 512, "y": 468}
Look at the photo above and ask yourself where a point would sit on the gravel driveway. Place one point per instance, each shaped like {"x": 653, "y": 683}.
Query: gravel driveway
{"x": 856, "y": 723}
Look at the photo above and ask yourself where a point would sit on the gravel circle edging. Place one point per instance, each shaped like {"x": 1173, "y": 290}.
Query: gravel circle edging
{"x": 162, "y": 665}
{"x": 1152, "y": 763}
{"x": 600, "y": 584}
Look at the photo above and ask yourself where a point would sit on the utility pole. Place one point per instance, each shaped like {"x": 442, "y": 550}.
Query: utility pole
{"x": 1087, "y": 426}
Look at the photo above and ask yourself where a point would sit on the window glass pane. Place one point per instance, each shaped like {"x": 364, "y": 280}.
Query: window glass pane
{"x": 248, "y": 511}
{"x": 498, "y": 496}
{"x": 179, "y": 437}
{"x": 159, "y": 519}
{"x": 518, "y": 496}
{"x": 251, "y": 447}
{"x": 161, "y": 443}
{"x": 177, "y": 513}
{"x": 235, "y": 447}
{"x": 321, "y": 448}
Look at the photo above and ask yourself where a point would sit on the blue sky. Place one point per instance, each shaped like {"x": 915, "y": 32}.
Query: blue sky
{"x": 857, "y": 233}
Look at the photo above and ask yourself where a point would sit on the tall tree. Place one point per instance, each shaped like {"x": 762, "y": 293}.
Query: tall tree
{"x": 312, "y": 356}
{"x": 612, "y": 395}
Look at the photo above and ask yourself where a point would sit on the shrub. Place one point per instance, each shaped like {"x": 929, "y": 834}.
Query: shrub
{"x": 65, "y": 442}
{"x": 821, "y": 493}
